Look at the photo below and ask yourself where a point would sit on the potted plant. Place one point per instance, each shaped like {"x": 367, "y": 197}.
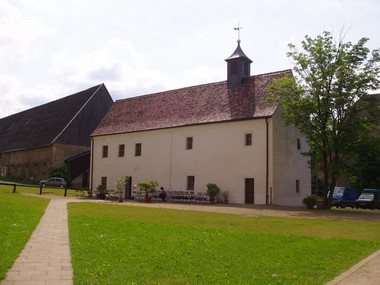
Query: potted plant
{"x": 147, "y": 187}
{"x": 120, "y": 186}
{"x": 310, "y": 201}
{"x": 212, "y": 191}
{"x": 225, "y": 195}
{"x": 101, "y": 193}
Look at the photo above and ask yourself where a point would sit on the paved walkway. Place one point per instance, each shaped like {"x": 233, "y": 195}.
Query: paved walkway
{"x": 46, "y": 257}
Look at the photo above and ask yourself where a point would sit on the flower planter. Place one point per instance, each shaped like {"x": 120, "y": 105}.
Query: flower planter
{"x": 148, "y": 199}
{"x": 225, "y": 201}
{"x": 121, "y": 199}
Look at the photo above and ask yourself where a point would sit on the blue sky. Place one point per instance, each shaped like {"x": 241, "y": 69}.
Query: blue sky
{"x": 53, "y": 48}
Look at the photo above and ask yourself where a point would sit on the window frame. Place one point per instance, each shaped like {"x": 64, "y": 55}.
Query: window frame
{"x": 138, "y": 149}
{"x": 121, "y": 150}
{"x": 104, "y": 181}
{"x": 298, "y": 143}
{"x": 190, "y": 183}
{"x": 248, "y": 139}
{"x": 298, "y": 187}
{"x": 189, "y": 142}
{"x": 105, "y": 151}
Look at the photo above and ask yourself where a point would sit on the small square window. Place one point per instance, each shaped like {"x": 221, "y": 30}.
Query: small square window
{"x": 121, "y": 150}
{"x": 138, "y": 149}
{"x": 298, "y": 186}
{"x": 189, "y": 143}
{"x": 248, "y": 139}
{"x": 190, "y": 182}
{"x": 105, "y": 150}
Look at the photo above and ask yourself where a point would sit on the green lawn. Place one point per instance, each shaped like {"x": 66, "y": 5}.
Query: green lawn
{"x": 19, "y": 216}
{"x": 112, "y": 244}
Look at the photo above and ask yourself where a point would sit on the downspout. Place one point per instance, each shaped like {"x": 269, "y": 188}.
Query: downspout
{"x": 267, "y": 163}
{"x": 92, "y": 166}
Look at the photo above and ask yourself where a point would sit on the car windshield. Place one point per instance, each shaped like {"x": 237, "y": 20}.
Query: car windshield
{"x": 366, "y": 196}
{"x": 338, "y": 191}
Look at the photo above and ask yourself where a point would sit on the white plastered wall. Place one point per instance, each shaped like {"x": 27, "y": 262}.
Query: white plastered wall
{"x": 219, "y": 155}
{"x": 289, "y": 164}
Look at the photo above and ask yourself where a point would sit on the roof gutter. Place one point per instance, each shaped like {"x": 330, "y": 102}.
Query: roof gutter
{"x": 267, "y": 163}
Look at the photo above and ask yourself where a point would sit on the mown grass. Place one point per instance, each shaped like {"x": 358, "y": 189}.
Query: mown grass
{"x": 19, "y": 216}
{"x": 113, "y": 244}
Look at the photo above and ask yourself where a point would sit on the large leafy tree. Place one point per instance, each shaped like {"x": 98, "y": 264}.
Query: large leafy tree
{"x": 328, "y": 100}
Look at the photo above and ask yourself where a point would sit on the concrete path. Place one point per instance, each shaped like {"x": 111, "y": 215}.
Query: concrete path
{"x": 366, "y": 272}
{"x": 46, "y": 257}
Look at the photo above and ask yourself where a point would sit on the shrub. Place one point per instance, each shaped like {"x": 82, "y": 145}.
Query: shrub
{"x": 212, "y": 190}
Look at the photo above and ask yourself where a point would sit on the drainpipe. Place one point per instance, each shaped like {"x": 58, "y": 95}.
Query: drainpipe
{"x": 267, "y": 163}
{"x": 92, "y": 165}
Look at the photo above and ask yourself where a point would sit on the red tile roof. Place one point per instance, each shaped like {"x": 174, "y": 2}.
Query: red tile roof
{"x": 208, "y": 103}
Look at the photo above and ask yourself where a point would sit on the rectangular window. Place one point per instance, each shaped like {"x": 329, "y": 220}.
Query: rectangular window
{"x": 104, "y": 182}
{"x": 105, "y": 150}
{"x": 248, "y": 139}
{"x": 189, "y": 143}
{"x": 190, "y": 182}
{"x": 298, "y": 143}
{"x": 121, "y": 150}
{"x": 297, "y": 186}
{"x": 138, "y": 149}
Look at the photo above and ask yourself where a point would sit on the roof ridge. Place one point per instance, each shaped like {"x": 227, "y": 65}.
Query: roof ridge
{"x": 173, "y": 90}
{"x": 199, "y": 85}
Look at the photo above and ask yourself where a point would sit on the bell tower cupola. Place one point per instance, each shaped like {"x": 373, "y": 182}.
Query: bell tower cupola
{"x": 238, "y": 67}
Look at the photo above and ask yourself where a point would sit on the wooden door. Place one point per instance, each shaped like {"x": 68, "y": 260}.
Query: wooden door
{"x": 249, "y": 190}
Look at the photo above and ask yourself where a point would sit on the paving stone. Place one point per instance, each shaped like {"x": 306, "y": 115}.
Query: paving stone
{"x": 46, "y": 257}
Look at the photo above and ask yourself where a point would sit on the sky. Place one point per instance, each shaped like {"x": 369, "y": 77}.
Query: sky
{"x": 50, "y": 49}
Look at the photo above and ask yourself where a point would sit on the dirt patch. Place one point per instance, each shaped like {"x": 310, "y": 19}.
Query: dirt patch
{"x": 247, "y": 210}
{"x": 262, "y": 210}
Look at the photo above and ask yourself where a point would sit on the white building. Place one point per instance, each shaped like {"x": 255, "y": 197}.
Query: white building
{"x": 223, "y": 133}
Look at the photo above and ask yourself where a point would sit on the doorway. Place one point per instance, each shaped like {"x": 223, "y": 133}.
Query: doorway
{"x": 249, "y": 190}
{"x": 128, "y": 188}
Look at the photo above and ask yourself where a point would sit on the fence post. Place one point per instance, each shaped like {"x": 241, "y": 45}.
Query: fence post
{"x": 41, "y": 189}
{"x": 14, "y": 188}
{"x": 65, "y": 191}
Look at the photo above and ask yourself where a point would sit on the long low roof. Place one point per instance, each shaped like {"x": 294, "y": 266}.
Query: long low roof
{"x": 41, "y": 125}
{"x": 202, "y": 104}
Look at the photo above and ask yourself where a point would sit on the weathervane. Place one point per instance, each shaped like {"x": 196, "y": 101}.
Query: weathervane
{"x": 238, "y": 29}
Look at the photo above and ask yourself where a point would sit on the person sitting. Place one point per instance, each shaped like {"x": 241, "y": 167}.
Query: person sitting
{"x": 162, "y": 194}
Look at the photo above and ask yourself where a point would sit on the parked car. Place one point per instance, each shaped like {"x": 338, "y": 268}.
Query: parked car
{"x": 369, "y": 198}
{"x": 54, "y": 182}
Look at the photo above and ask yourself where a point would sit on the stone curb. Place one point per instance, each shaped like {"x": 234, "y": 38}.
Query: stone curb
{"x": 355, "y": 268}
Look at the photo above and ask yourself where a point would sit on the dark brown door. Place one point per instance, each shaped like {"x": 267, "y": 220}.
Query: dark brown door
{"x": 249, "y": 190}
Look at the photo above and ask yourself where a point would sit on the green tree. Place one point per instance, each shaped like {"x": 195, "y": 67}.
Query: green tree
{"x": 328, "y": 100}
{"x": 60, "y": 171}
